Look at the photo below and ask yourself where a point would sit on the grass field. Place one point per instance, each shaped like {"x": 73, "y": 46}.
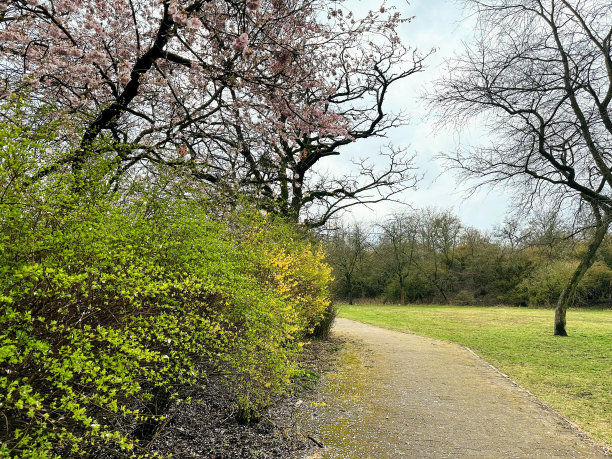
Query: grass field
{"x": 572, "y": 374}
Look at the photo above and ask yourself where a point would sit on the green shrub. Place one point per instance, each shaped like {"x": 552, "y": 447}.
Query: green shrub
{"x": 597, "y": 284}
{"x": 417, "y": 288}
{"x": 323, "y": 328}
{"x": 464, "y": 298}
{"x": 111, "y": 304}
{"x": 544, "y": 285}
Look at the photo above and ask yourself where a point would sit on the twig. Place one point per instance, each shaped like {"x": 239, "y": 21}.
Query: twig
{"x": 168, "y": 419}
{"x": 317, "y": 442}
{"x": 7, "y": 425}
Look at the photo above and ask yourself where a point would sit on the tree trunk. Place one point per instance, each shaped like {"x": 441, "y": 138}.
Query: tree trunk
{"x": 440, "y": 289}
{"x": 569, "y": 291}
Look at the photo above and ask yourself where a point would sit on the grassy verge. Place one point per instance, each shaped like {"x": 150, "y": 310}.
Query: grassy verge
{"x": 572, "y": 374}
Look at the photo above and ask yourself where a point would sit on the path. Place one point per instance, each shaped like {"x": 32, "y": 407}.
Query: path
{"x": 399, "y": 395}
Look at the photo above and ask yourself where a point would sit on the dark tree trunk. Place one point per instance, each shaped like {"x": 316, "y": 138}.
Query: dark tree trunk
{"x": 560, "y": 312}
{"x": 400, "y": 279}
{"x": 567, "y": 295}
{"x": 440, "y": 289}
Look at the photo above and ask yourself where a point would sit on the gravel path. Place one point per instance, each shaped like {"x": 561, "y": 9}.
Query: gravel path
{"x": 399, "y": 395}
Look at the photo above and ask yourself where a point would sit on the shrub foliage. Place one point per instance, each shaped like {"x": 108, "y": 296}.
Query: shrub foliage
{"x": 112, "y": 304}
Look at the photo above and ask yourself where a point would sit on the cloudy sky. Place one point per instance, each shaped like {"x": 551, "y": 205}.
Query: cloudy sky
{"x": 439, "y": 24}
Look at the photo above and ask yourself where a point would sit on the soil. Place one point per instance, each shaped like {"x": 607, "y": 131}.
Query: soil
{"x": 396, "y": 395}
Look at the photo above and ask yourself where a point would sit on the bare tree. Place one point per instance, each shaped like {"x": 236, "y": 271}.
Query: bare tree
{"x": 549, "y": 232}
{"x": 346, "y": 249}
{"x": 439, "y": 231}
{"x": 400, "y": 235}
{"x": 511, "y": 234}
{"x": 539, "y": 78}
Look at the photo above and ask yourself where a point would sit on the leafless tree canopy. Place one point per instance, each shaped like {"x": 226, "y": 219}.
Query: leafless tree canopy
{"x": 539, "y": 78}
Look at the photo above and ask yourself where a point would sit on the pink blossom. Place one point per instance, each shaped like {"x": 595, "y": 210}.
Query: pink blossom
{"x": 287, "y": 57}
{"x": 56, "y": 32}
{"x": 241, "y": 42}
{"x": 59, "y": 51}
{"x": 180, "y": 18}
{"x": 6, "y": 35}
{"x": 253, "y": 4}
{"x": 194, "y": 23}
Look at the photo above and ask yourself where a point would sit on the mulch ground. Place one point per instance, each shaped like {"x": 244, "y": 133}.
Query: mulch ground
{"x": 208, "y": 428}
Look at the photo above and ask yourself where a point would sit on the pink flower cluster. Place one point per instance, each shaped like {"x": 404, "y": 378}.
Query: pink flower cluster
{"x": 241, "y": 43}
{"x": 87, "y": 54}
{"x": 253, "y": 4}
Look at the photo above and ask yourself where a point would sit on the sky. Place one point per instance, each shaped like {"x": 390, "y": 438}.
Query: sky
{"x": 439, "y": 24}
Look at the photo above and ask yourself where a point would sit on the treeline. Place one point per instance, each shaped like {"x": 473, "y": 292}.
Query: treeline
{"x": 429, "y": 256}
{"x": 114, "y": 305}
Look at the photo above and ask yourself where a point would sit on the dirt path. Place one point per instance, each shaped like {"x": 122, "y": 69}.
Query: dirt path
{"x": 400, "y": 395}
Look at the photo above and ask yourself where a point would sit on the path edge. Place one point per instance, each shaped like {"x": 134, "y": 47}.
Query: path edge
{"x": 570, "y": 424}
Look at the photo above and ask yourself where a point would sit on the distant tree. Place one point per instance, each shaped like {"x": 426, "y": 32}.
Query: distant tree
{"x": 511, "y": 233}
{"x": 428, "y": 255}
{"x": 439, "y": 232}
{"x": 539, "y": 77}
{"x": 399, "y": 244}
{"x": 346, "y": 249}
{"x": 477, "y": 262}
{"x": 550, "y": 233}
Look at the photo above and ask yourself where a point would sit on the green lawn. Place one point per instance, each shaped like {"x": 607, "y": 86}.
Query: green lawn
{"x": 572, "y": 374}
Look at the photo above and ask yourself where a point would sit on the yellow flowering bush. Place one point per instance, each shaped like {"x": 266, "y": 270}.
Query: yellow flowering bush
{"x": 301, "y": 277}
{"x": 294, "y": 281}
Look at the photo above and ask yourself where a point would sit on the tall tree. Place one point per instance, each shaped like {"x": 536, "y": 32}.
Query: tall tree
{"x": 439, "y": 231}
{"x": 476, "y": 261}
{"x": 511, "y": 234}
{"x": 539, "y": 77}
{"x": 245, "y": 95}
{"x": 548, "y": 231}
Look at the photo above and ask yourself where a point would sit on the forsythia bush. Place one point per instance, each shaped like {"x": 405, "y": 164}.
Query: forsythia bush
{"x": 111, "y": 305}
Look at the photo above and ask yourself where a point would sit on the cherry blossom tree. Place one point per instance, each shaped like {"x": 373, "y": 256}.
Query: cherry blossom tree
{"x": 244, "y": 95}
